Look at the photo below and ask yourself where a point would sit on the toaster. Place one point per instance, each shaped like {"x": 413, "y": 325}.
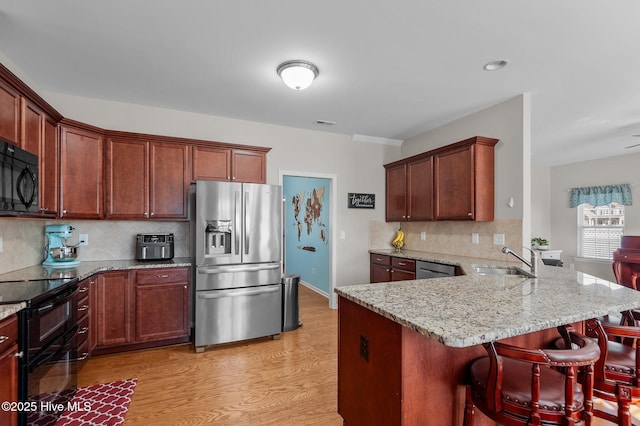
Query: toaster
{"x": 154, "y": 246}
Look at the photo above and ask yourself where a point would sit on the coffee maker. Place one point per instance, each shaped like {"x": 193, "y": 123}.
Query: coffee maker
{"x": 58, "y": 253}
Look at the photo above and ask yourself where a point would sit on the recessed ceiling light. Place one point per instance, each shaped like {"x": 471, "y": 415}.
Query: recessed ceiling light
{"x": 495, "y": 65}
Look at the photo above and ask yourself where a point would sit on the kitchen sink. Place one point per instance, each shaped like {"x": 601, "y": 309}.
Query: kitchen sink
{"x": 507, "y": 271}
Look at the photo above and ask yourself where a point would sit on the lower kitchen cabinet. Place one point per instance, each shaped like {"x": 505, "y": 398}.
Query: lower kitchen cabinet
{"x": 87, "y": 336}
{"x": 162, "y": 304}
{"x": 113, "y": 309}
{"x": 385, "y": 268}
{"x": 142, "y": 308}
{"x": 9, "y": 367}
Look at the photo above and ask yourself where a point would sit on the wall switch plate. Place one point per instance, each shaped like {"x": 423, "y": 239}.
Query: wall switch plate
{"x": 343, "y": 235}
{"x": 83, "y": 239}
{"x": 1, "y": 245}
{"x": 498, "y": 239}
{"x": 475, "y": 238}
{"x": 423, "y": 235}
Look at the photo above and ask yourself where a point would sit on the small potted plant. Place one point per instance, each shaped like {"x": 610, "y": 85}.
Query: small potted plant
{"x": 538, "y": 243}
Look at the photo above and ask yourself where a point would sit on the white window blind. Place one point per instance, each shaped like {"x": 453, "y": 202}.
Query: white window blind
{"x": 600, "y": 230}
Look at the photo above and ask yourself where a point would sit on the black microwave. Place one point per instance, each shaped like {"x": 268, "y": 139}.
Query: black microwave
{"x": 18, "y": 181}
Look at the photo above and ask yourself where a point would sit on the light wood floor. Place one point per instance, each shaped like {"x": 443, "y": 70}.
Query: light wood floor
{"x": 291, "y": 381}
{"x": 286, "y": 382}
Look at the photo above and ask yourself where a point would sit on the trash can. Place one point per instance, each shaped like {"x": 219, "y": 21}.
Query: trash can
{"x": 290, "y": 306}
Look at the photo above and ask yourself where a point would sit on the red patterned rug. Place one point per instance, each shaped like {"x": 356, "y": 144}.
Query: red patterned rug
{"x": 104, "y": 404}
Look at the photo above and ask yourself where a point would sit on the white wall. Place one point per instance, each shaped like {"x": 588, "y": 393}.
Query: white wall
{"x": 605, "y": 171}
{"x": 541, "y": 202}
{"x": 508, "y": 121}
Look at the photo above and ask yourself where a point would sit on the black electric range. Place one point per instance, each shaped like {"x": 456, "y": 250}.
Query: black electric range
{"x": 32, "y": 292}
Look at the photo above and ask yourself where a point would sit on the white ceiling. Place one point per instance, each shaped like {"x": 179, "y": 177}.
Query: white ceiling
{"x": 388, "y": 69}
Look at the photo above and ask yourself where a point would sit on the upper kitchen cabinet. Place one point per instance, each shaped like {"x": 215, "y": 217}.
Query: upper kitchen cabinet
{"x": 48, "y": 169}
{"x": 454, "y": 182}
{"x": 146, "y": 180}
{"x": 464, "y": 180}
{"x": 9, "y": 113}
{"x": 409, "y": 194}
{"x": 81, "y": 171}
{"x": 229, "y": 164}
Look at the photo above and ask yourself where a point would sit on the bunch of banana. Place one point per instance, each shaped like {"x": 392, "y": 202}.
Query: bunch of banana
{"x": 398, "y": 242}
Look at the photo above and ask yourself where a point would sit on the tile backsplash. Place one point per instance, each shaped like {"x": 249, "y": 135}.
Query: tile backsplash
{"x": 23, "y": 239}
{"x": 449, "y": 237}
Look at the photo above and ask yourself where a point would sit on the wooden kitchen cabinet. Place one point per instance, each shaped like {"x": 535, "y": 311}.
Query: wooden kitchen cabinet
{"x": 146, "y": 180}
{"x": 410, "y": 191}
{"x": 385, "y": 268}
{"x": 9, "y": 367}
{"x": 227, "y": 164}
{"x": 9, "y": 113}
{"x": 87, "y": 336}
{"x": 162, "y": 304}
{"x": 142, "y": 308}
{"x": 464, "y": 177}
{"x": 48, "y": 168}
{"x": 114, "y": 301}
{"x": 454, "y": 182}
{"x": 81, "y": 172}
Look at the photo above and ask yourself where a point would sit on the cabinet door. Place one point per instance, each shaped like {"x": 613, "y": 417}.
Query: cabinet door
{"x": 454, "y": 184}
{"x": 81, "y": 174}
{"x": 380, "y": 273}
{"x": 420, "y": 189}
{"x": 248, "y": 166}
{"x": 113, "y": 309}
{"x": 9, "y": 388}
{"x": 32, "y": 135}
{"x": 162, "y": 304}
{"x": 211, "y": 163}
{"x": 9, "y": 114}
{"x": 169, "y": 181}
{"x": 396, "y": 193}
{"x": 48, "y": 168}
{"x": 127, "y": 179}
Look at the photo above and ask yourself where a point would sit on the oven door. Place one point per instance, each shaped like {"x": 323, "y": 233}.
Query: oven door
{"x": 48, "y": 369}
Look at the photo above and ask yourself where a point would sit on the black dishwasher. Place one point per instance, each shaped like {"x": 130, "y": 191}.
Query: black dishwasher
{"x": 426, "y": 269}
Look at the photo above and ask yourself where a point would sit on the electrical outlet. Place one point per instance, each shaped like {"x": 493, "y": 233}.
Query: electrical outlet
{"x": 1, "y": 245}
{"x": 83, "y": 239}
{"x": 343, "y": 235}
{"x": 423, "y": 235}
{"x": 475, "y": 238}
{"x": 498, "y": 239}
{"x": 364, "y": 347}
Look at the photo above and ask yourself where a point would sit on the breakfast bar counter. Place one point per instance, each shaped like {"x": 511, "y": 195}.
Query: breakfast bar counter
{"x": 405, "y": 346}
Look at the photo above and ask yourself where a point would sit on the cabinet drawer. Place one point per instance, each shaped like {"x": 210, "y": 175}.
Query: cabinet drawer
{"x": 83, "y": 307}
{"x": 83, "y": 329}
{"x": 381, "y": 259}
{"x": 402, "y": 263}
{"x": 8, "y": 332}
{"x": 157, "y": 276}
{"x": 83, "y": 288}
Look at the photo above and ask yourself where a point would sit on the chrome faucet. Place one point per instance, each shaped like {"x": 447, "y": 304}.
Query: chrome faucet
{"x": 533, "y": 264}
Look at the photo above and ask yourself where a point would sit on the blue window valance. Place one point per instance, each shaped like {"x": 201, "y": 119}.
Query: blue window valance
{"x": 601, "y": 195}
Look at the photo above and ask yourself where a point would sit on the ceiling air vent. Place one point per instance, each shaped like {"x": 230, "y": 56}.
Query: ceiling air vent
{"x": 325, "y": 122}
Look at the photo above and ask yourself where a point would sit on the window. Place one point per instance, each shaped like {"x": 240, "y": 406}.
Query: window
{"x": 600, "y": 230}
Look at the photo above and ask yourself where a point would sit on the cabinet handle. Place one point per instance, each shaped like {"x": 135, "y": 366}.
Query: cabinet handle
{"x": 83, "y": 308}
{"x": 84, "y": 356}
{"x": 162, "y": 276}
{"x": 409, "y": 217}
{"x": 469, "y": 214}
{"x": 83, "y": 330}
{"x": 388, "y": 270}
{"x": 185, "y": 286}
{"x": 20, "y": 354}
{"x": 402, "y": 264}
{"x": 146, "y": 214}
{"x": 64, "y": 212}
{"x": 4, "y": 339}
{"x": 152, "y": 213}
{"x": 83, "y": 290}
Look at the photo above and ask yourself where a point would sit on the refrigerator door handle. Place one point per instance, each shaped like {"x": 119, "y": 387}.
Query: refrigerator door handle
{"x": 247, "y": 223}
{"x": 223, "y": 270}
{"x": 216, "y": 294}
{"x": 237, "y": 213}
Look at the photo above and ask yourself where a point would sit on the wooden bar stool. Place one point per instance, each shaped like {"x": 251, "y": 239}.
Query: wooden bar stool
{"x": 617, "y": 373}
{"x": 516, "y": 386}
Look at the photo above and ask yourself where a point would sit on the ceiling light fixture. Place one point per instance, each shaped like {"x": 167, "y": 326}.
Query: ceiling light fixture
{"x": 495, "y": 65}
{"x": 297, "y": 74}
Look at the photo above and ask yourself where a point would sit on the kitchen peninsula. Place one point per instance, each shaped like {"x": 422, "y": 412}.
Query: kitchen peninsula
{"x": 404, "y": 347}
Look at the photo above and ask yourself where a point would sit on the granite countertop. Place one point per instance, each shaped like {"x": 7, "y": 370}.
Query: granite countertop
{"x": 473, "y": 309}
{"x": 82, "y": 271}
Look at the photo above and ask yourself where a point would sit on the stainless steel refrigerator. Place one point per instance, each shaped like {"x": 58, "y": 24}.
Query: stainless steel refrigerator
{"x": 238, "y": 234}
